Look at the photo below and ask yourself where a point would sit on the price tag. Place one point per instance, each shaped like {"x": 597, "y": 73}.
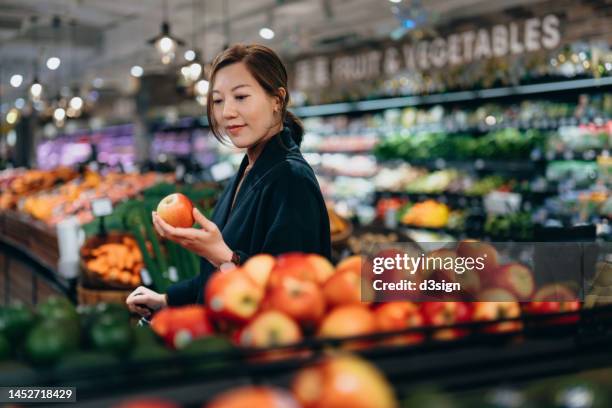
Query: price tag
{"x": 180, "y": 171}
{"x": 221, "y": 171}
{"x": 146, "y": 277}
{"x": 173, "y": 274}
{"x": 101, "y": 207}
{"x": 499, "y": 202}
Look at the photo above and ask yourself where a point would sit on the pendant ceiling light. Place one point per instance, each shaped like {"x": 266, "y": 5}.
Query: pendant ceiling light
{"x": 164, "y": 42}
{"x": 194, "y": 69}
{"x": 36, "y": 88}
{"x": 75, "y": 106}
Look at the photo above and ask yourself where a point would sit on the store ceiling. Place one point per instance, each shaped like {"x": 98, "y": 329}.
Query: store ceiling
{"x": 109, "y": 36}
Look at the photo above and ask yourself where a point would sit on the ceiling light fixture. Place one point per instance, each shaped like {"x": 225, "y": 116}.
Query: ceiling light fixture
{"x": 136, "y": 71}
{"x": 194, "y": 69}
{"x": 54, "y": 63}
{"x": 164, "y": 42}
{"x": 76, "y": 103}
{"x": 266, "y": 33}
{"x": 12, "y": 116}
{"x": 190, "y": 55}
{"x": 36, "y": 90}
{"x": 16, "y": 80}
{"x": 201, "y": 87}
{"x": 59, "y": 114}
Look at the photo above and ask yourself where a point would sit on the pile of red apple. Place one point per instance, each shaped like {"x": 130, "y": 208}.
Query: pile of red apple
{"x": 269, "y": 302}
{"x": 511, "y": 282}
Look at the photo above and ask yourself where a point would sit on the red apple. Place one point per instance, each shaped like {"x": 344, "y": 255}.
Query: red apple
{"x": 395, "y": 316}
{"x": 446, "y": 314}
{"x": 259, "y": 267}
{"x": 496, "y": 295}
{"x": 254, "y": 397}
{"x": 516, "y": 278}
{"x": 323, "y": 268}
{"x": 178, "y": 326}
{"x": 439, "y": 265}
{"x": 269, "y": 329}
{"x": 469, "y": 279}
{"x": 352, "y": 263}
{"x": 342, "y": 382}
{"x": 555, "y": 298}
{"x": 555, "y": 292}
{"x": 232, "y": 296}
{"x": 395, "y": 274}
{"x": 555, "y": 307}
{"x": 348, "y": 321}
{"x": 498, "y": 304}
{"x": 470, "y": 285}
{"x": 177, "y": 210}
{"x": 344, "y": 288}
{"x": 293, "y": 264}
{"x": 299, "y": 299}
{"x": 482, "y": 253}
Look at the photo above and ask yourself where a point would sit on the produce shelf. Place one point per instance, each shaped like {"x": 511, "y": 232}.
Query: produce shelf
{"x": 597, "y": 84}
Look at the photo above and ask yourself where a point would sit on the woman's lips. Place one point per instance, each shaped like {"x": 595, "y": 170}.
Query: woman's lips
{"x": 235, "y": 129}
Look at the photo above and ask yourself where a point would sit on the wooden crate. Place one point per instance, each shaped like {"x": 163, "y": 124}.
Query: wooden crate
{"x": 87, "y": 296}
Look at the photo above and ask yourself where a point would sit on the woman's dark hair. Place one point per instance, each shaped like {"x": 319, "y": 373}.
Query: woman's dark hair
{"x": 268, "y": 70}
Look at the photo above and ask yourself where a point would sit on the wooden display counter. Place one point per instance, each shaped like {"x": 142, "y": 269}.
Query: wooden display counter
{"x": 28, "y": 261}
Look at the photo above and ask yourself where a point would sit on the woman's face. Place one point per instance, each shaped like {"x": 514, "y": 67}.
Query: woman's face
{"x": 242, "y": 108}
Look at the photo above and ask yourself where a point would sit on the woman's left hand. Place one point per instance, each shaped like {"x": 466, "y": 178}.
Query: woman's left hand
{"x": 206, "y": 242}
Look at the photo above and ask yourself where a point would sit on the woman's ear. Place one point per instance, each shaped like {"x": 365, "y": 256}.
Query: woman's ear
{"x": 280, "y": 98}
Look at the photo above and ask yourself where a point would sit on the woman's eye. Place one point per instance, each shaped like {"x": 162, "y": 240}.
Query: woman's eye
{"x": 217, "y": 101}
{"x": 241, "y": 97}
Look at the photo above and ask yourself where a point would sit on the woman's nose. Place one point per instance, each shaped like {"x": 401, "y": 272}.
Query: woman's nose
{"x": 228, "y": 110}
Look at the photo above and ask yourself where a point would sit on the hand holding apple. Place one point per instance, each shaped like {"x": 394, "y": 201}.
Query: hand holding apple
{"x": 206, "y": 242}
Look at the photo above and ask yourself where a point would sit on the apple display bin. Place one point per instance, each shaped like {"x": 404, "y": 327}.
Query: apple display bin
{"x": 480, "y": 359}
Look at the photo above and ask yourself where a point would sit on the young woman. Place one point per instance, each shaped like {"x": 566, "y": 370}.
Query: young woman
{"x": 274, "y": 204}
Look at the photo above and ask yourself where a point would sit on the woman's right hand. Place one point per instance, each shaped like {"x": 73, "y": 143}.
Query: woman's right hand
{"x": 144, "y": 300}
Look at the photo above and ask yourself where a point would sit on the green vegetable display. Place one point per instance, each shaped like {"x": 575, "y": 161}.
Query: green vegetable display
{"x": 505, "y": 144}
